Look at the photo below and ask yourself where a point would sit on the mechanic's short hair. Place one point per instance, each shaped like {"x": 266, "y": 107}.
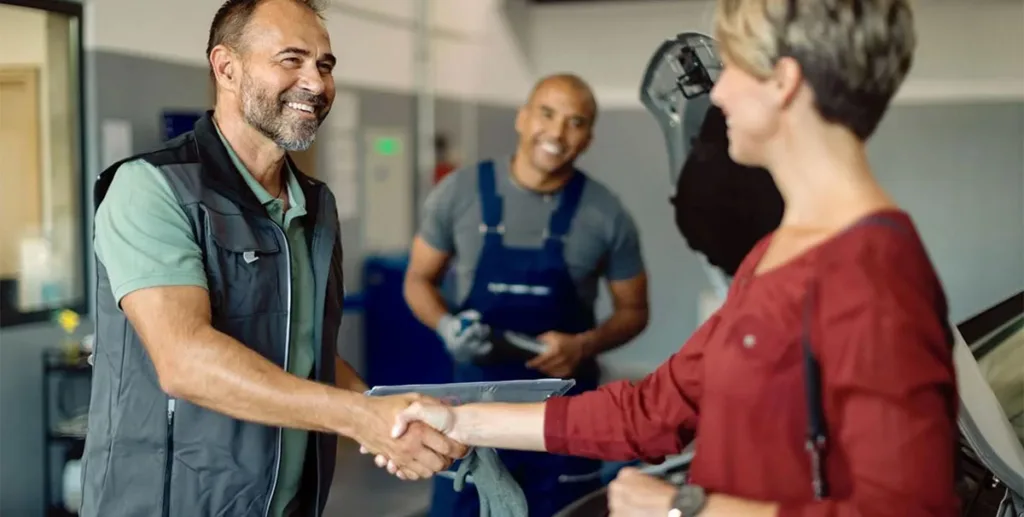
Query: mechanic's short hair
{"x": 231, "y": 20}
{"x": 574, "y": 82}
{"x": 854, "y": 54}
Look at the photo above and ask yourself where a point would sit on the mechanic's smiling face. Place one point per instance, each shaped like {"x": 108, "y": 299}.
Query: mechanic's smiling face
{"x": 287, "y": 86}
{"x": 556, "y": 125}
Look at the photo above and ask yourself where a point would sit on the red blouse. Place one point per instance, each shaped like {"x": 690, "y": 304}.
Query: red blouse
{"x": 878, "y": 328}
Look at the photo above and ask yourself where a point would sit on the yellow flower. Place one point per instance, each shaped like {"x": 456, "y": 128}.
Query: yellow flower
{"x": 68, "y": 320}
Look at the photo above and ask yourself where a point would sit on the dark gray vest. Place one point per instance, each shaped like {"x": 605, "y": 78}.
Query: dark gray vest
{"x": 147, "y": 455}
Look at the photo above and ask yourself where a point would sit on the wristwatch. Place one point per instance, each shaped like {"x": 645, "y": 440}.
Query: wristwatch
{"x": 689, "y": 502}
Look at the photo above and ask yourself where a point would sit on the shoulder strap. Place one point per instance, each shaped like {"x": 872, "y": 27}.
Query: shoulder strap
{"x": 817, "y": 433}
{"x": 562, "y": 217}
{"x": 490, "y": 202}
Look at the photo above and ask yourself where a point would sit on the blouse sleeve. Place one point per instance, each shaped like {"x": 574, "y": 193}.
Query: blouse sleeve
{"x": 622, "y": 421}
{"x": 883, "y": 341}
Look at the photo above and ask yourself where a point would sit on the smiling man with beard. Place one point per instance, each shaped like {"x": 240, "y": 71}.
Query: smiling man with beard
{"x": 217, "y": 389}
{"x": 532, "y": 236}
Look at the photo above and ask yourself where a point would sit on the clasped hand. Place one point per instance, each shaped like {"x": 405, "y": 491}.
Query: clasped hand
{"x": 414, "y": 450}
{"x": 422, "y": 417}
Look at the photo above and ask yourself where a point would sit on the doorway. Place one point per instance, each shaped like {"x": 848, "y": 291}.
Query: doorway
{"x": 21, "y": 164}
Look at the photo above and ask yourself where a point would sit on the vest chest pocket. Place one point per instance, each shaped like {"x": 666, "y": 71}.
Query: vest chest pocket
{"x": 246, "y": 268}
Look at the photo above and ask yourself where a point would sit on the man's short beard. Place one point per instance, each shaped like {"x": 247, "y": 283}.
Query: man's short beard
{"x": 265, "y": 112}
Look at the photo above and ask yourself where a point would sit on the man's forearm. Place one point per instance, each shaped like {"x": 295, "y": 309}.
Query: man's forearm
{"x": 425, "y": 301}
{"x": 215, "y": 371}
{"x": 623, "y": 325}
{"x": 504, "y": 426}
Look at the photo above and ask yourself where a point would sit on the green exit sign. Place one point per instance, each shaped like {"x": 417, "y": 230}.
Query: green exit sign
{"x": 387, "y": 146}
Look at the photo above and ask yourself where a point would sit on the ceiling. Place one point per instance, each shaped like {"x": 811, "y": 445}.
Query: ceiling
{"x": 584, "y": 1}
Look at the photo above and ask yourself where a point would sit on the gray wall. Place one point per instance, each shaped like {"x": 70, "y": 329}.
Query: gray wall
{"x": 488, "y": 132}
{"x": 957, "y": 169}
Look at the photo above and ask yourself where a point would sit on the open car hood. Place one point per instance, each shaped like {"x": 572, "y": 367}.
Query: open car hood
{"x": 675, "y": 88}
{"x": 722, "y": 208}
{"x": 989, "y": 357}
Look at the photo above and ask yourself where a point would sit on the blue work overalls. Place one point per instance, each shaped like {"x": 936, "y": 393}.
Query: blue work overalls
{"x": 529, "y": 291}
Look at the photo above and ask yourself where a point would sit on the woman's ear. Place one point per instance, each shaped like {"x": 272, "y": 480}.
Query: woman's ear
{"x": 787, "y": 77}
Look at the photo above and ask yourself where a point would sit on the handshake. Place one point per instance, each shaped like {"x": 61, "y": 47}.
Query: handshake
{"x": 413, "y": 436}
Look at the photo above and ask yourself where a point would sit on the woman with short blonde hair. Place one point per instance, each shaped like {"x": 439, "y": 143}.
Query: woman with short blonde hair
{"x": 824, "y": 386}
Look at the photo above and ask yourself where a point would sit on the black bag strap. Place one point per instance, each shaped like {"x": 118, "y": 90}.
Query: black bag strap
{"x": 817, "y": 433}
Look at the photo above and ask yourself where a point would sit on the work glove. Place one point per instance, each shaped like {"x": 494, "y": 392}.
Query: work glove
{"x": 464, "y": 335}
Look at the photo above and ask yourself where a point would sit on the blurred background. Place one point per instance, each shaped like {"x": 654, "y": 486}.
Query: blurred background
{"x": 425, "y": 86}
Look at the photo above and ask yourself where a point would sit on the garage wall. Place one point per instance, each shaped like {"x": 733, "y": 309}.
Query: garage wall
{"x": 966, "y": 49}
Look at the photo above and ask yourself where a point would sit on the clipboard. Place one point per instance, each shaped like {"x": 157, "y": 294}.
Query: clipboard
{"x": 455, "y": 394}
{"x": 510, "y": 346}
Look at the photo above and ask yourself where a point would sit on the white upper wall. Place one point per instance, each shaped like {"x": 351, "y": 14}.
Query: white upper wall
{"x": 966, "y": 48}
{"x": 22, "y": 36}
{"x": 474, "y": 52}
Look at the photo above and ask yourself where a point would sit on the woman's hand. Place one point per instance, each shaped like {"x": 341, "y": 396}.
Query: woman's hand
{"x": 421, "y": 452}
{"x": 431, "y": 413}
{"x": 635, "y": 494}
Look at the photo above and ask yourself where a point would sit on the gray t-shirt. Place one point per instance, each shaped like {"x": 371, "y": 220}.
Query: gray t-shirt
{"x": 603, "y": 239}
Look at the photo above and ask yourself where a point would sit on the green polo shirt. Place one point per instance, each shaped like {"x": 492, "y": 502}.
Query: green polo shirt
{"x": 144, "y": 239}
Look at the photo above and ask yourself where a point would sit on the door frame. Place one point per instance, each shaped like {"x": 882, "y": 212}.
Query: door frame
{"x": 73, "y": 9}
{"x": 83, "y": 155}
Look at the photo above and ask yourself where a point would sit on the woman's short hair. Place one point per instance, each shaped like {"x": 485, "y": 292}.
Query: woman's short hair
{"x": 854, "y": 54}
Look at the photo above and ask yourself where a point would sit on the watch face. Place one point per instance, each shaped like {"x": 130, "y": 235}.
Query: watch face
{"x": 689, "y": 500}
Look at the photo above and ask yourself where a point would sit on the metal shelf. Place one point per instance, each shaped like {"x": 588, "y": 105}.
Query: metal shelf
{"x": 59, "y": 363}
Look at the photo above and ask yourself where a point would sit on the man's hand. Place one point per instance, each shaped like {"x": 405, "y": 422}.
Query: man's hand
{"x": 422, "y": 414}
{"x": 562, "y": 355}
{"x": 418, "y": 453}
{"x": 635, "y": 494}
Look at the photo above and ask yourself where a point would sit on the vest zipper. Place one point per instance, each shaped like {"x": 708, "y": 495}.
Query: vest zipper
{"x": 170, "y": 457}
{"x": 287, "y": 345}
{"x": 316, "y": 435}
{"x": 316, "y": 503}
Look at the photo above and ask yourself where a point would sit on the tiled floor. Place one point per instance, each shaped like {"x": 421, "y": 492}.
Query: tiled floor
{"x": 361, "y": 489}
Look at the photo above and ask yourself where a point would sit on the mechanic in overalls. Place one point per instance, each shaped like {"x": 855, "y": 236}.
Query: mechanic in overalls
{"x": 532, "y": 235}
